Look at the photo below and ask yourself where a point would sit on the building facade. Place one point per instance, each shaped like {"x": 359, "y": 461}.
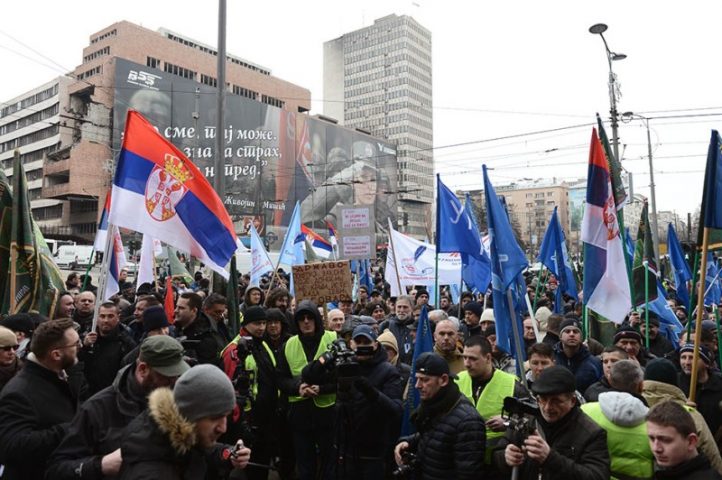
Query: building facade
{"x": 66, "y": 138}
{"x": 379, "y": 79}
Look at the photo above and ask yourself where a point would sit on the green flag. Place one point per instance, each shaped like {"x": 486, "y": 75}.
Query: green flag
{"x": 177, "y": 269}
{"x": 33, "y": 280}
{"x": 232, "y": 300}
{"x": 6, "y": 215}
{"x": 644, "y": 252}
{"x": 615, "y": 168}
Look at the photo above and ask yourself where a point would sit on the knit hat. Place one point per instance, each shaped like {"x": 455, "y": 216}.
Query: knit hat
{"x": 570, "y": 322}
{"x": 704, "y": 353}
{"x": 629, "y": 333}
{"x": 154, "y": 318}
{"x": 254, "y": 314}
{"x": 661, "y": 370}
{"x": 474, "y": 307}
{"x": 19, "y": 322}
{"x": 387, "y": 339}
{"x": 420, "y": 292}
{"x": 204, "y": 391}
{"x": 7, "y": 338}
{"x": 542, "y": 315}
{"x": 487, "y": 315}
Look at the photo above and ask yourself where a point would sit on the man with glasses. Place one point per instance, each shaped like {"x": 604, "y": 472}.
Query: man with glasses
{"x": 37, "y": 404}
{"x": 9, "y": 363}
{"x": 566, "y": 444}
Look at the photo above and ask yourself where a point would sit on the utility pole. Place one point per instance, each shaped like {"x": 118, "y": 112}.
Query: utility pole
{"x": 220, "y": 164}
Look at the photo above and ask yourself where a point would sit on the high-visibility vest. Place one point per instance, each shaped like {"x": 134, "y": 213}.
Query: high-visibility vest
{"x": 490, "y": 401}
{"x": 296, "y": 358}
{"x": 628, "y": 446}
{"x": 252, "y": 367}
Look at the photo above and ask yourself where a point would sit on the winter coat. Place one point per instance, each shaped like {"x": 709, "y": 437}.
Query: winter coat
{"x": 404, "y": 338}
{"x": 98, "y": 429}
{"x": 660, "y": 346}
{"x": 451, "y": 437}
{"x": 656, "y": 392}
{"x": 592, "y": 393}
{"x": 161, "y": 444}
{"x": 709, "y": 396}
{"x": 104, "y": 358}
{"x": 623, "y": 416}
{"x": 578, "y": 451}
{"x": 698, "y": 468}
{"x": 369, "y": 407}
{"x": 586, "y": 368}
{"x": 205, "y": 344}
{"x": 35, "y": 408}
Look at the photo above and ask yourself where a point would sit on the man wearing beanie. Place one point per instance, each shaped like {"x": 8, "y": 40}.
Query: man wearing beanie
{"x": 571, "y": 353}
{"x": 569, "y": 444}
{"x": 176, "y": 438}
{"x": 709, "y": 384}
{"x": 256, "y": 387}
{"x": 92, "y": 444}
{"x": 472, "y": 318}
{"x": 310, "y": 405}
{"x": 659, "y": 345}
{"x": 630, "y": 340}
{"x": 155, "y": 322}
{"x": 661, "y": 385}
{"x": 10, "y": 364}
{"x": 450, "y": 439}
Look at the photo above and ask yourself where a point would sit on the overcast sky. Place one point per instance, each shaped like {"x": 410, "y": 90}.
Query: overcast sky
{"x": 500, "y": 69}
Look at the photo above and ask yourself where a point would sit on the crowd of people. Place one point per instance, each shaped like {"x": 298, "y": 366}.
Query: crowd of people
{"x": 308, "y": 391}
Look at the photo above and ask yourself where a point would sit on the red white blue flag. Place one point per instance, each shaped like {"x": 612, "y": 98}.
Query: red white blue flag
{"x": 159, "y": 192}
{"x": 321, "y": 247}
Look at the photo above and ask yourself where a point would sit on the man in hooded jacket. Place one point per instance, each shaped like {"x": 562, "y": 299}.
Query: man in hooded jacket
{"x": 310, "y": 411}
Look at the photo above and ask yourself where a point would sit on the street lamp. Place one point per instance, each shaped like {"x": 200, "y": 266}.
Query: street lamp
{"x": 599, "y": 29}
{"x": 627, "y": 117}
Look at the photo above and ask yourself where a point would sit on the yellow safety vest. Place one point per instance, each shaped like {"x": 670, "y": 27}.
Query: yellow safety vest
{"x": 628, "y": 446}
{"x": 490, "y": 401}
{"x": 296, "y": 358}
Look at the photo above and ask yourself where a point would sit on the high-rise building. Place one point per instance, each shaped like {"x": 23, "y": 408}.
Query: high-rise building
{"x": 378, "y": 79}
{"x": 65, "y": 131}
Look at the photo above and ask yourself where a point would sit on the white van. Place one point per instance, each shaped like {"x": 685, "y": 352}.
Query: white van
{"x": 75, "y": 256}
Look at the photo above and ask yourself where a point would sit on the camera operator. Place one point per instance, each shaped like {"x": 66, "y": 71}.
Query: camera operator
{"x": 309, "y": 410}
{"x": 566, "y": 445}
{"x": 368, "y": 405}
{"x": 250, "y": 364}
{"x": 450, "y": 438}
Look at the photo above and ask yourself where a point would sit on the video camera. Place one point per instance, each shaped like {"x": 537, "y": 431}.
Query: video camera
{"x": 409, "y": 462}
{"x": 521, "y": 415}
{"x": 338, "y": 355}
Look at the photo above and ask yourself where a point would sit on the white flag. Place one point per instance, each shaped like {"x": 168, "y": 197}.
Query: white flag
{"x": 149, "y": 249}
{"x": 260, "y": 261}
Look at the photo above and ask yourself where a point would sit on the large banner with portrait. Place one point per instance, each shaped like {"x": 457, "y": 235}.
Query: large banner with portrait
{"x": 273, "y": 157}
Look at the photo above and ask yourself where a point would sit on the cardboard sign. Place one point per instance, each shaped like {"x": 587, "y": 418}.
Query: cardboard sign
{"x": 357, "y": 233}
{"x": 322, "y": 282}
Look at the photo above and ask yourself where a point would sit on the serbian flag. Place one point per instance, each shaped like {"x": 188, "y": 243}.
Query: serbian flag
{"x": 116, "y": 264}
{"x": 159, "y": 192}
{"x": 321, "y": 247}
{"x": 332, "y": 234}
{"x": 606, "y": 282}
{"x": 101, "y": 235}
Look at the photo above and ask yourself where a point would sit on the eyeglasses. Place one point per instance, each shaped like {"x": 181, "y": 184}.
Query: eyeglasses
{"x": 11, "y": 347}
{"x": 77, "y": 344}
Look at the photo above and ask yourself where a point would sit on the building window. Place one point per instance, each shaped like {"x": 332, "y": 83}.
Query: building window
{"x": 207, "y": 80}
{"x": 48, "y": 213}
{"x": 269, "y": 100}
{"x": 109, "y": 34}
{"x": 30, "y": 138}
{"x": 98, "y": 53}
{"x": 152, "y": 62}
{"x": 180, "y": 71}
{"x": 89, "y": 73}
{"x": 29, "y": 101}
{"x": 244, "y": 92}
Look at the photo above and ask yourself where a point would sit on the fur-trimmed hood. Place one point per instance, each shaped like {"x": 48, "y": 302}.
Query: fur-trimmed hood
{"x": 165, "y": 414}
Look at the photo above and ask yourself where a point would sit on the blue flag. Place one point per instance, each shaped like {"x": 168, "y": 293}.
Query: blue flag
{"x": 507, "y": 262}
{"x": 424, "y": 343}
{"x": 365, "y": 277}
{"x": 680, "y": 267}
{"x": 712, "y": 215}
{"x": 669, "y": 324}
{"x": 455, "y": 229}
{"x": 554, "y": 256}
{"x": 291, "y": 252}
{"x": 475, "y": 271}
{"x": 713, "y": 292}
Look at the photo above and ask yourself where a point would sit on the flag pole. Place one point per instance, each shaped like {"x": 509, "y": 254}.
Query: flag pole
{"x": 698, "y": 320}
{"x": 540, "y": 280}
{"x": 393, "y": 251}
{"x": 646, "y": 304}
{"x": 515, "y": 331}
{"x": 533, "y": 318}
{"x": 103, "y": 280}
{"x": 87, "y": 270}
{"x": 438, "y": 225}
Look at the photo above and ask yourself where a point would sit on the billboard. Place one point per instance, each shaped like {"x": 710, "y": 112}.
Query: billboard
{"x": 273, "y": 157}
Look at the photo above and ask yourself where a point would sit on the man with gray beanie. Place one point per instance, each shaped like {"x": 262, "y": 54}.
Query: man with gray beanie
{"x": 176, "y": 438}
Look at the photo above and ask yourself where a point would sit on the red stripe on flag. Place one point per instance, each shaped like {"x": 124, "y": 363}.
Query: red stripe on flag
{"x": 168, "y": 304}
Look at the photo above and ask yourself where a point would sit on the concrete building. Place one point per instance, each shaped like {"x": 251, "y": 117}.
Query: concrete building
{"x": 65, "y": 127}
{"x": 379, "y": 79}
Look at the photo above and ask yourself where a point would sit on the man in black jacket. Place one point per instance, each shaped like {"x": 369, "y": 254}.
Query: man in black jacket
{"x": 202, "y": 343}
{"x": 401, "y": 325}
{"x": 104, "y": 349}
{"x": 37, "y": 404}
{"x": 91, "y": 448}
{"x": 450, "y": 438}
{"x": 567, "y": 443}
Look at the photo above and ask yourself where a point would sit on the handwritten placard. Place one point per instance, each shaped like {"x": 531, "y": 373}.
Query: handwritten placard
{"x": 323, "y": 282}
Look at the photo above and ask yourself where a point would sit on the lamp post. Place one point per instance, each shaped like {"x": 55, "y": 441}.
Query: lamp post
{"x": 599, "y": 29}
{"x": 626, "y": 117}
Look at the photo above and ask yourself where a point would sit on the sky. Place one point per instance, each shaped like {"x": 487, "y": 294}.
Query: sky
{"x": 501, "y": 71}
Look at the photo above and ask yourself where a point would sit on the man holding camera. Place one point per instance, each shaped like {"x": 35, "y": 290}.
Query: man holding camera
{"x": 310, "y": 412}
{"x": 566, "y": 444}
{"x": 450, "y": 437}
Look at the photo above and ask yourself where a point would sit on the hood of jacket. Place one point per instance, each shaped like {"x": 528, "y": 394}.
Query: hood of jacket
{"x": 655, "y": 392}
{"x": 307, "y": 306}
{"x": 130, "y": 397}
{"x": 622, "y": 408}
{"x": 165, "y": 414}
